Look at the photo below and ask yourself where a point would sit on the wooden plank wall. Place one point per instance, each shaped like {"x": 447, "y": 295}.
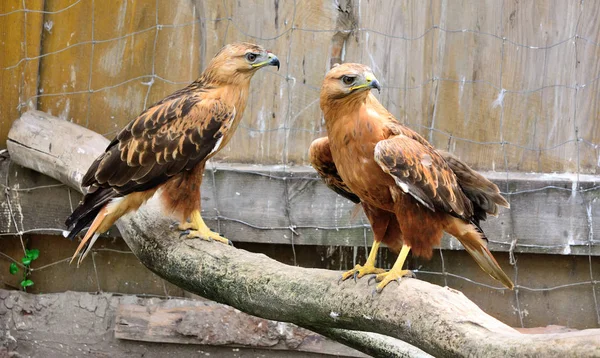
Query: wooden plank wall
{"x": 506, "y": 85}
{"x": 20, "y": 46}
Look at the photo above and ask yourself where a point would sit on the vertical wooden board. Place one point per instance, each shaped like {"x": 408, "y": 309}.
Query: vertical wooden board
{"x": 216, "y": 24}
{"x": 308, "y": 58}
{"x": 33, "y": 30}
{"x": 161, "y": 88}
{"x": 588, "y": 100}
{"x": 424, "y": 57}
{"x": 395, "y": 103}
{"x": 386, "y": 18}
{"x": 522, "y": 68}
{"x": 478, "y": 155}
{"x": 561, "y": 64}
{"x": 419, "y": 107}
{"x": 118, "y": 61}
{"x": 589, "y": 27}
{"x": 465, "y": 111}
{"x": 111, "y": 108}
{"x": 539, "y": 23}
{"x": 468, "y": 56}
{"x": 268, "y": 104}
{"x": 115, "y": 18}
{"x": 65, "y": 67}
{"x": 260, "y": 137}
{"x": 557, "y": 129}
{"x": 385, "y": 25}
{"x": 542, "y": 159}
{"x": 319, "y": 15}
{"x": 473, "y": 15}
{"x": 125, "y": 52}
{"x": 11, "y": 64}
{"x": 178, "y": 49}
{"x": 19, "y": 60}
{"x": 521, "y": 117}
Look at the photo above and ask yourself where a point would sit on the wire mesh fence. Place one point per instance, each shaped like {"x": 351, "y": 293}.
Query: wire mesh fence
{"x": 509, "y": 87}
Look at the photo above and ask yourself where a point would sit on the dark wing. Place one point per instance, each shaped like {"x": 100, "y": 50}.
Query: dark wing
{"x": 484, "y": 194}
{"x": 163, "y": 141}
{"x": 322, "y": 161}
{"x": 168, "y": 138}
{"x": 421, "y": 172}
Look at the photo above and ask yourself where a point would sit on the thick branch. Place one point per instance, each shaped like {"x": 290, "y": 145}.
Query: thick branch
{"x": 438, "y": 320}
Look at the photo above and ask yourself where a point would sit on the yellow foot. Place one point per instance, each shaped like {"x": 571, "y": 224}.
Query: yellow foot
{"x": 206, "y": 235}
{"x": 392, "y": 275}
{"x": 359, "y": 271}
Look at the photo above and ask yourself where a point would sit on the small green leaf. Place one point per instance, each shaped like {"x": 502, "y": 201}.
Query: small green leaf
{"x": 13, "y": 269}
{"x": 26, "y": 260}
{"x": 26, "y": 283}
{"x": 33, "y": 254}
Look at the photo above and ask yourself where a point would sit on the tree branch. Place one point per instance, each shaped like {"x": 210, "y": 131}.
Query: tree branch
{"x": 439, "y": 320}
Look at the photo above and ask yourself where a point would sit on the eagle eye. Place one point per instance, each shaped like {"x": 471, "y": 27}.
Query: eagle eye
{"x": 348, "y": 80}
{"x": 251, "y": 56}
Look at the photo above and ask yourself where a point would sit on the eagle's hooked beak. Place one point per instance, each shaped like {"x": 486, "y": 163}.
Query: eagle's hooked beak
{"x": 272, "y": 60}
{"x": 370, "y": 82}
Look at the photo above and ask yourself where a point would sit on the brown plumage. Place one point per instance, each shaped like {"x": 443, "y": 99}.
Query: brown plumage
{"x": 167, "y": 146}
{"x": 410, "y": 192}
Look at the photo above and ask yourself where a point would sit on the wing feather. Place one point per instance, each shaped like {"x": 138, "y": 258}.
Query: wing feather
{"x": 421, "y": 172}
{"x": 322, "y": 161}
{"x": 166, "y": 139}
{"x": 484, "y": 194}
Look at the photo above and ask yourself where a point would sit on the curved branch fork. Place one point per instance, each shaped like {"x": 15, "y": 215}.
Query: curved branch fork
{"x": 439, "y": 320}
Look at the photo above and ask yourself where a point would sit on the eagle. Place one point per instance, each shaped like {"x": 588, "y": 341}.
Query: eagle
{"x": 166, "y": 147}
{"x": 410, "y": 192}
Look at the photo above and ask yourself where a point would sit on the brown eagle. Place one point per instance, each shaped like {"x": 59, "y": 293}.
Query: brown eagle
{"x": 410, "y": 192}
{"x": 166, "y": 147}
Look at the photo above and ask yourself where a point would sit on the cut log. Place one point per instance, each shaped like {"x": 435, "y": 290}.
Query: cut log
{"x": 438, "y": 320}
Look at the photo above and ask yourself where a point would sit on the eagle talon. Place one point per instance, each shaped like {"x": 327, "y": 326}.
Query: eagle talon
{"x": 184, "y": 233}
{"x": 359, "y": 271}
{"x": 393, "y": 275}
{"x": 371, "y": 279}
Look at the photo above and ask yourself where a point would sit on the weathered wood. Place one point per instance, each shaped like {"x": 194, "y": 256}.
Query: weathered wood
{"x": 205, "y": 327}
{"x": 204, "y": 322}
{"x": 444, "y": 67}
{"x": 21, "y": 33}
{"x": 439, "y": 320}
{"x": 252, "y": 203}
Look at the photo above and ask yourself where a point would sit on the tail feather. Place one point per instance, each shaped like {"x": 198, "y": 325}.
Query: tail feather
{"x": 87, "y": 210}
{"x": 475, "y": 242}
{"x": 91, "y": 233}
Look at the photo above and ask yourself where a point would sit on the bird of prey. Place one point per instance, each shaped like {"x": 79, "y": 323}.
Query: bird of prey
{"x": 166, "y": 147}
{"x": 410, "y": 192}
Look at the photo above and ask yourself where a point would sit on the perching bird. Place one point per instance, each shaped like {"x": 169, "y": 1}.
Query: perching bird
{"x": 166, "y": 147}
{"x": 410, "y": 192}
